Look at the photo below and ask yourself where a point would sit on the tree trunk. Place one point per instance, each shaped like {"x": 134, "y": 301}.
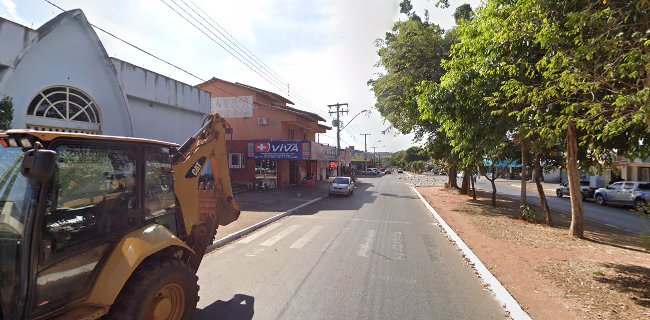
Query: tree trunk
{"x": 464, "y": 187}
{"x": 524, "y": 173}
{"x": 577, "y": 222}
{"x": 494, "y": 188}
{"x": 471, "y": 178}
{"x": 542, "y": 197}
{"x": 452, "y": 176}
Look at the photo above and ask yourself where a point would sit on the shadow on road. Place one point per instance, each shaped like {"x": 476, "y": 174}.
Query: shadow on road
{"x": 240, "y": 307}
{"x": 360, "y": 197}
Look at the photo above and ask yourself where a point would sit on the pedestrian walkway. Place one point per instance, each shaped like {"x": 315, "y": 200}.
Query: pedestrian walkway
{"x": 257, "y": 206}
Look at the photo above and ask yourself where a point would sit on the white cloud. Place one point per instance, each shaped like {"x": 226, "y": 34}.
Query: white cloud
{"x": 11, "y": 10}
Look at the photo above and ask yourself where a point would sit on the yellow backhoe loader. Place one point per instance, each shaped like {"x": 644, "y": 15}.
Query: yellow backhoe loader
{"x": 108, "y": 227}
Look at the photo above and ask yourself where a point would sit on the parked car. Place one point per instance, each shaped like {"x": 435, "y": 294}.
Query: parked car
{"x": 342, "y": 185}
{"x": 400, "y": 171}
{"x": 628, "y": 193}
{"x": 563, "y": 189}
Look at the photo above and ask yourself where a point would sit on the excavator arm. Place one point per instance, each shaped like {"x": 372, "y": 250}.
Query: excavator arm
{"x": 204, "y": 205}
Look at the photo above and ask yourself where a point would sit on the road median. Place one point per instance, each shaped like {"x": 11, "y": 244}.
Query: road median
{"x": 550, "y": 274}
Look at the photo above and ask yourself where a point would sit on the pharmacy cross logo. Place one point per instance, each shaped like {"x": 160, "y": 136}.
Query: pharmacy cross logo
{"x": 262, "y": 147}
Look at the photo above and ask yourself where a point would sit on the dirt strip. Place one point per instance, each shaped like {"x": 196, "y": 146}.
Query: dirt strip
{"x": 552, "y": 275}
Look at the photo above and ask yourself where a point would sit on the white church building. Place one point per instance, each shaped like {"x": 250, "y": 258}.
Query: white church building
{"x": 60, "y": 78}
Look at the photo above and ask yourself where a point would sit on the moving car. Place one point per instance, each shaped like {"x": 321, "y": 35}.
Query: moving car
{"x": 563, "y": 189}
{"x": 342, "y": 185}
{"x": 628, "y": 193}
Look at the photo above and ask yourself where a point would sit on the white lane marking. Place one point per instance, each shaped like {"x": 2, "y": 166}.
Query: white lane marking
{"x": 306, "y": 238}
{"x": 259, "y": 233}
{"x": 255, "y": 252}
{"x": 271, "y": 241}
{"x": 398, "y": 246}
{"x": 364, "y": 247}
{"x": 391, "y": 279}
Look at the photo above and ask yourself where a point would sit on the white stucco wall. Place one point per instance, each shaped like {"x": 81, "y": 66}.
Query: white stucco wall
{"x": 162, "y": 108}
{"x": 69, "y": 54}
{"x": 162, "y": 122}
{"x": 13, "y": 39}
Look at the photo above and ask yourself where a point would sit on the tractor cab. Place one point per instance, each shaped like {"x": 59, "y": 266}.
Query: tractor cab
{"x": 65, "y": 201}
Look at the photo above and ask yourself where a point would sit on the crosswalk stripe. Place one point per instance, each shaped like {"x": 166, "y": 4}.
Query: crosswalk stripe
{"x": 259, "y": 233}
{"x": 398, "y": 246}
{"x": 254, "y": 252}
{"x": 306, "y": 238}
{"x": 271, "y": 241}
{"x": 364, "y": 247}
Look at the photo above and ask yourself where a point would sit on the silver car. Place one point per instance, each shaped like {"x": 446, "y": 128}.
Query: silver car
{"x": 342, "y": 185}
{"x": 629, "y": 193}
{"x": 563, "y": 189}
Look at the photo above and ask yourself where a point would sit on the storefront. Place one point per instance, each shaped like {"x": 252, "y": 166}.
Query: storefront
{"x": 280, "y": 163}
{"x": 324, "y": 155}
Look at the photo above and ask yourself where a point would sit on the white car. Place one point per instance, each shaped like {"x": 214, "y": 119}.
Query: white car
{"x": 342, "y": 185}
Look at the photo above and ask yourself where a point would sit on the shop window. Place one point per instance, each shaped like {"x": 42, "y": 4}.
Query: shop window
{"x": 236, "y": 161}
{"x": 266, "y": 173}
{"x": 292, "y": 134}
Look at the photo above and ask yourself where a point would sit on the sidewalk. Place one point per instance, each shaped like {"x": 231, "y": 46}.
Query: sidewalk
{"x": 257, "y": 206}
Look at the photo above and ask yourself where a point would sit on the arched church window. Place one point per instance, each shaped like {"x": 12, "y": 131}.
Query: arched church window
{"x": 64, "y": 103}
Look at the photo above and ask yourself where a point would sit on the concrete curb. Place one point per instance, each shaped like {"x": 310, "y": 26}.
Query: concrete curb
{"x": 502, "y": 295}
{"x": 236, "y": 235}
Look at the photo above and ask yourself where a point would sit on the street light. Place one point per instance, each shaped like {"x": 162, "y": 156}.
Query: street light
{"x": 360, "y": 112}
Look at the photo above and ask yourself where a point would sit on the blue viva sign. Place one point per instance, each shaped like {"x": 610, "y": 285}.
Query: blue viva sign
{"x": 279, "y": 150}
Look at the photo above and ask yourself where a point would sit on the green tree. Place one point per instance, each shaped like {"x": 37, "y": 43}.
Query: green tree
{"x": 595, "y": 90}
{"x": 6, "y": 113}
{"x": 411, "y": 53}
{"x": 463, "y": 12}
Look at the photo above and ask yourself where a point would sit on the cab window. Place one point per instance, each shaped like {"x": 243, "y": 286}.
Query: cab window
{"x": 93, "y": 191}
{"x": 159, "y": 199}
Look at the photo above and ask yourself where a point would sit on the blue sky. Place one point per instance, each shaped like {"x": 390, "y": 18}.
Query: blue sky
{"x": 324, "y": 49}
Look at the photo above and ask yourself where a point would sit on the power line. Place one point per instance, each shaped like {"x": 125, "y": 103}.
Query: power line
{"x": 132, "y": 45}
{"x": 272, "y": 79}
{"x": 236, "y": 56}
{"x": 157, "y": 57}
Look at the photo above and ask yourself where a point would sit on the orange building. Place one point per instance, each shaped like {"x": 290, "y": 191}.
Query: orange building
{"x": 271, "y": 142}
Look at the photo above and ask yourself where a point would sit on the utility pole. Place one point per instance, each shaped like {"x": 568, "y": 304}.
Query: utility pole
{"x": 365, "y": 151}
{"x": 338, "y": 132}
{"x": 374, "y": 156}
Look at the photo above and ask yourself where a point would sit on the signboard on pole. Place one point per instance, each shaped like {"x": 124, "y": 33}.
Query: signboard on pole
{"x": 322, "y": 152}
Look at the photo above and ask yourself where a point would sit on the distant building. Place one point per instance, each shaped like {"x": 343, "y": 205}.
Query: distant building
{"x": 634, "y": 170}
{"x": 271, "y": 142}
{"x": 61, "y": 79}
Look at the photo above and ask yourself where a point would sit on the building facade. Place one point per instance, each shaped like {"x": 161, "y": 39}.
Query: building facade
{"x": 271, "y": 143}
{"x": 60, "y": 78}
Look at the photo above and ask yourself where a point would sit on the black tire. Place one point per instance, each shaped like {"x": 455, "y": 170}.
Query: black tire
{"x": 137, "y": 299}
{"x": 600, "y": 200}
{"x": 640, "y": 205}
{"x": 558, "y": 193}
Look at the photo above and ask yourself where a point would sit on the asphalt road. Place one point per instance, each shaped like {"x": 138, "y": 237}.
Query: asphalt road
{"x": 374, "y": 255}
{"x": 614, "y": 216}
